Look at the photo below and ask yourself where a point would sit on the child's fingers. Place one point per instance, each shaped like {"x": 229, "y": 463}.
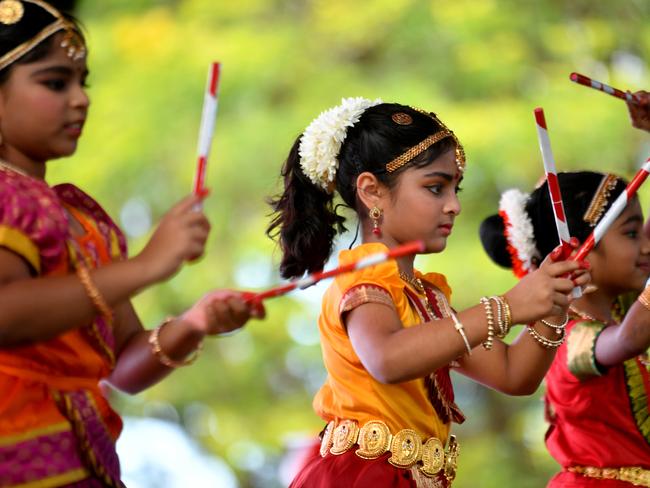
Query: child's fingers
{"x": 185, "y": 205}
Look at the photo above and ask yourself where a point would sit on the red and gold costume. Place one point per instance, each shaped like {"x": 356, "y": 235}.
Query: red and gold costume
{"x": 379, "y": 434}
{"x": 600, "y": 418}
{"x": 56, "y": 428}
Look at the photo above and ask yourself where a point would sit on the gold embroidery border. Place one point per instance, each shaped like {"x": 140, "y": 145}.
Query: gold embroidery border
{"x": 638, "y": 395}
{"x": 64, "y": 479}
{"x": 360, "y": 294}
{"x": 581, "y": 344}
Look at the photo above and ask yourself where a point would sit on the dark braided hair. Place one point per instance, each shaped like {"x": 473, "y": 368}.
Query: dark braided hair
{"x": 33, "y": 21}
{"x": 578, "y": 189}
{"x": 305, "y": 219}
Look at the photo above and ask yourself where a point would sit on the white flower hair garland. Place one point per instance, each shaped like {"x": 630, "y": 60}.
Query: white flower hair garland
{"x": 518, "y": 231}
{"x": 322, "y": 140}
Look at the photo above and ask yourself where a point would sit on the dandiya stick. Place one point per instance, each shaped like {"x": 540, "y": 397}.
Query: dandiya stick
{"x": 206, "y": 131}
{"x": 553, "y": 183}
{"x": 371, "y": 260}
{"x": 615, "y": 92}
{"x": 614, "y": 211}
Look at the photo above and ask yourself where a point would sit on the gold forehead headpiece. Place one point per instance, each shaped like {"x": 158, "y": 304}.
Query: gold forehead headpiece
{"x": 12, "y": 11}
{"x": 404, "y": 158}
{"x": 600, "y": 199}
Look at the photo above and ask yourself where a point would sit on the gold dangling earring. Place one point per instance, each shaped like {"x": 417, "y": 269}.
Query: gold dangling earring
{"x": 375, "y": 215}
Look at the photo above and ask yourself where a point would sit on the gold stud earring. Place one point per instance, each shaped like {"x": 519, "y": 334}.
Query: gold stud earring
{"x": 375, "y": 215}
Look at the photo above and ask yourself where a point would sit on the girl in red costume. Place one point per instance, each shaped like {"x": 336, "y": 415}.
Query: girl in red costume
{"x": 597, "y": 396}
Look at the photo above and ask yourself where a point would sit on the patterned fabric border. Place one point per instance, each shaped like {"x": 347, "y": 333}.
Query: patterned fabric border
{"x": 637, "y": 380}
{"x": 360, "y": 294}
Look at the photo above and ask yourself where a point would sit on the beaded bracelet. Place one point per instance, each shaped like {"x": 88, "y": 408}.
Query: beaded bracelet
{"x": 558, "y": 327}
{"x": 547, "y": 343}
{"x": 490, "y": 322}
{"x": 461, "y": 330}
{"x": 154, "y": 341}
{"x": 93, "y": 292}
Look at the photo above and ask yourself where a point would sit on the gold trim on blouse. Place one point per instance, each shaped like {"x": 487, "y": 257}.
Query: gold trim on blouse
{"x": 361, "y": 294}
{"x": 581, "y": 344}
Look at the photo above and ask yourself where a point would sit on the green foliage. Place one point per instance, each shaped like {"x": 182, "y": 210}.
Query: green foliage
{"x": 482, "y": 65}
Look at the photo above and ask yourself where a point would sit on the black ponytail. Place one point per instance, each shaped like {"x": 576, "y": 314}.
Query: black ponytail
{"x": 305, "y": 221}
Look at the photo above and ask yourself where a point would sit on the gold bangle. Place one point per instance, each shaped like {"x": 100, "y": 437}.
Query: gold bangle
{"x": 506, "y": 307}
{"x": 490, "y": 323}
{"x": 461, "y": 330}
{"x": 93, "y": 292}
{"x": 154, "y": 341}
{"x": 544, "y": 341}
{"x": 644, "y": 298}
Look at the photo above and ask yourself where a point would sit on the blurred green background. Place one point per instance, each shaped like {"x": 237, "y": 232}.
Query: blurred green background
{"x": 482, "y": 65}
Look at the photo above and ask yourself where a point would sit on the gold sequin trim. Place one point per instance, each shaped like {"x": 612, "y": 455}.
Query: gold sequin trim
{"x": 600, "y": 199}
{"x": 581, "y": 359}
{"x": 365, "y": 294}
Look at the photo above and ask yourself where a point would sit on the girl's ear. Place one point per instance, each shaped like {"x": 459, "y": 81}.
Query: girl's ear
{"x": 370, "y": 190}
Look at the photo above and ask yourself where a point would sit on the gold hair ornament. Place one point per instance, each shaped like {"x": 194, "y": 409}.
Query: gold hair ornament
{"x": 419, "y": 148}
{"x": 72, "y": 41}
{"x": 11, "y": 11}
{"x": 600, "y": 199}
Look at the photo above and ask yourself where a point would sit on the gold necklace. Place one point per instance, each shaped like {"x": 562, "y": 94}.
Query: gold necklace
{"x": 10, "y": 167}
{"x": 416, "y": 283}
{"x": 584, "y": 315}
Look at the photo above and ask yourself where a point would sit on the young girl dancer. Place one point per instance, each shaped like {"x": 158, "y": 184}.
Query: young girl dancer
{"x": 65, "y": 279}
{"x": 388, "y": 333}
{"x": 598, "y": 386}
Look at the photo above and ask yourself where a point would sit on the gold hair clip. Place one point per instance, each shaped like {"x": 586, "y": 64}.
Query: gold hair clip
{"x": 11, "y": 11}
{"x": 401, "y": 118}
{"x": 600, "y": 199}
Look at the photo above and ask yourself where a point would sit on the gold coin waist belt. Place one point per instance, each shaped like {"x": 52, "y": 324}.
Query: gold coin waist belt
{"x": 634, "y": 475}
{"x": 407, "y": 449}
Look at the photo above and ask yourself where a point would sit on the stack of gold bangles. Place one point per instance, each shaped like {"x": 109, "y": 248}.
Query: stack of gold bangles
{"x": 503, "y": 323}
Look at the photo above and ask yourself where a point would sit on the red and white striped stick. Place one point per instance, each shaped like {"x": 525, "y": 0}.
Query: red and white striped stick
{"x": 377, "y": 258}
{"x": 614, "y": 211}
{"x": 206, "y": 131}
{"x": 615, "y": 92}
{"x": 553, "y": 183}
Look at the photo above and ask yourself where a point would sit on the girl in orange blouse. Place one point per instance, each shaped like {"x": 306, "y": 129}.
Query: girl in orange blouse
{"x": 389, "y": 335}
{"x": 65, "y": 279}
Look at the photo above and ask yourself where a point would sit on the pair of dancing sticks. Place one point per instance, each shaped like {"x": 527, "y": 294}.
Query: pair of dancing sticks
{"x": 206, "y": 133}
{"x": 554, "y": 188}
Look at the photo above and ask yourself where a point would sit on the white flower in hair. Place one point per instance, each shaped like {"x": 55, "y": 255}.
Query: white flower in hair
{"x": 322, "y": 140}
{"x": 519, "y": 231}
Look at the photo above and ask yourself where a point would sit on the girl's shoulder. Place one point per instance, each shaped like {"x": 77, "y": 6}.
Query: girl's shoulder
{"x": 32, "y": 220}
{"x": 384, "y": 275}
